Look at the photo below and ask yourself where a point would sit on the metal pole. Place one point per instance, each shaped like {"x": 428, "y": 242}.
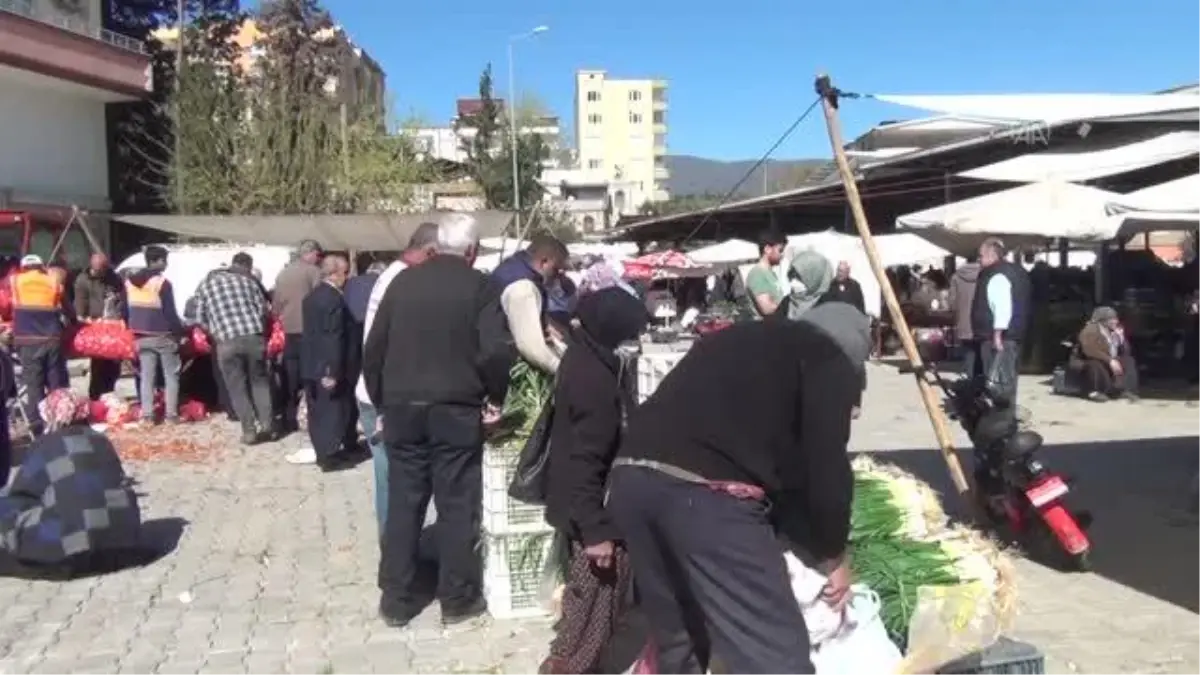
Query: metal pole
{"x": 180, "y": 10}
{"x": 512, "y": 121}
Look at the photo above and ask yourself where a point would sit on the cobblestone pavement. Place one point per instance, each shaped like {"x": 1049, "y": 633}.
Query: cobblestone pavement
{"x": 274, "y": 570}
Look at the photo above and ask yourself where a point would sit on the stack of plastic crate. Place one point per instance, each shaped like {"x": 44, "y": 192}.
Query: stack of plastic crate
{"x": 653, "y": 365}
{"x": 517, "y": 543}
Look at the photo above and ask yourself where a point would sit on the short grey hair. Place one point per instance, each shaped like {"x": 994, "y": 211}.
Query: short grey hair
{"x": 458, "y": 234}
{"x": 308, "y": 246}
{"x": 425, "y": 236}
{"x": 332, "y": 264}
{"x": 995, "y": 245}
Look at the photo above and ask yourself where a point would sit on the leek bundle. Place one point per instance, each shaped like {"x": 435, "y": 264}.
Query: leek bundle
{"x": 528, "y": 391}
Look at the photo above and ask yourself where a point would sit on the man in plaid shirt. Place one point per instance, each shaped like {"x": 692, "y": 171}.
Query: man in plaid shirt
{"x": 231, "y": 305}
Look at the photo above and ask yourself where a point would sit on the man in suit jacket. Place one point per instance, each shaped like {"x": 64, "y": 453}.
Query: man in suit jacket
{"x": 329, "y": 364}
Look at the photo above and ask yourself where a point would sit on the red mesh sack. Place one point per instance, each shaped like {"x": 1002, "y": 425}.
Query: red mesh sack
{"x": 104, "y": 340}
{"x": 275, "y": 337}
{"x": 192, "y": 410}
{"x": 97, "y": 412}
{"x": 198, "y": 342}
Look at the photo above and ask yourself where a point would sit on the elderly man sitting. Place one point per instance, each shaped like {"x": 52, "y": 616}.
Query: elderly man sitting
{"x": 1102, "y": 360}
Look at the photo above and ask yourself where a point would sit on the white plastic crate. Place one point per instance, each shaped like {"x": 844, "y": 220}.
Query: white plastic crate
{"x": 502, "y": 514}
{"x": 513, "y": 574}
{"x": 652, "y": 367}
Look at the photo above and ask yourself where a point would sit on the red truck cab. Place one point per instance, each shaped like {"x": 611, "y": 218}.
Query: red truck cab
{"x": 21, "y": 233}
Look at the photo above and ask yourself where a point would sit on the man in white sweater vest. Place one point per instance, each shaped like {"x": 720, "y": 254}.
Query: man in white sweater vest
{"x": 523, "y": 277}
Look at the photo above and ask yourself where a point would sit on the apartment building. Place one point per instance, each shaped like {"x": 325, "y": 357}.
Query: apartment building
{"x": 621, "y": 133}
{"x": 359, "y": 81}
{"x": 59, "y": 67}
{"x": 446, "y": 142}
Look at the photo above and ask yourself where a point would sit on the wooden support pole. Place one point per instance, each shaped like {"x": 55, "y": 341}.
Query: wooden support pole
{"x": 929, "y": 396}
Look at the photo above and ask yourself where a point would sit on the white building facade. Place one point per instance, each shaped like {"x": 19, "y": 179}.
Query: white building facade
{"x": 58, "y": 69}
{"x": 621, "y": 132}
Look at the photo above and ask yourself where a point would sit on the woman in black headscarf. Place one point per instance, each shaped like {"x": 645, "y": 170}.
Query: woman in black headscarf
{"x": 589, "y": 400}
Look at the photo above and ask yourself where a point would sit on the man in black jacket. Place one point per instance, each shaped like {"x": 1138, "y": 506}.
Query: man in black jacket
{"x": 329, "y": 368}
{"x": 729, "y": 455}
{"x": 846, "y": 289}
{"x": 438, "y": 352}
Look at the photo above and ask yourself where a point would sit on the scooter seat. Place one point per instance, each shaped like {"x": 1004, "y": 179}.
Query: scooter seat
{"x": 1025, "y": 443}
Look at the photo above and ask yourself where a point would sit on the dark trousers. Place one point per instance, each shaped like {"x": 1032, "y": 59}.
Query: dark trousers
{"x": 222, "y": 392}
{"x": 243, "y": 364}
{"x": 332, "y": 420}
{"x": 710, "y": 575}
{"x": 433, "y": 451}
{"x": 43, "y": 369}
{"x": 972, "y": 364}
{"x": 1097, "y": 376}
{"x": 291, "y": 385}
{"x": 5, "y": 447}
{"x": 102, "y": 377}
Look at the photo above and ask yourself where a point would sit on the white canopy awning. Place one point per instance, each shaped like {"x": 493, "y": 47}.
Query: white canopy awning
{"x": 1179, "y": 195}
{"x": 1087, "y": 164}
{"x": 1030, "y": 213}
{"x": 726, "y": 252}
{"x": 1057, "y": 108}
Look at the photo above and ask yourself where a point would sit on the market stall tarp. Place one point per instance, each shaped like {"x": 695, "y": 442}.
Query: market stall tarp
{"x": 187, "y": 265}
{"x": 1089, "y": 163}
{"x": 1181, "y": 195}
{"x": 1027, "y": 214}
{"x": 726, "y": 252}
{"x": 837, "y": 247}
{"x": 664, "y": 265}
{"x": 362, "y": 232}
{"x": 1055, "y": 108}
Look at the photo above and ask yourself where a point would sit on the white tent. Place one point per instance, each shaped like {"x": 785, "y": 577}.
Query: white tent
{"x": 1057, "y": 108}
{"x": 837, "y": 247}
{"x": 906, "y": 248}
{"x": 726, "y": 252}
{"x": 1030, "y": 213}
{"x": 1181, "y": 195}
{"x": 1084, "y": 164}
{"x": 187, "y": 265}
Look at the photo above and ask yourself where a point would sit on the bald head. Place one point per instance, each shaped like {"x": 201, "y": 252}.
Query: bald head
{"x": 843, "y": 270}
{"x": 335, "y": 269}
{"x": 98, "y": 262}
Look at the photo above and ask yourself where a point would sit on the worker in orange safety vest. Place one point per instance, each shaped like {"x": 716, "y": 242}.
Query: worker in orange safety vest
{"x": 40, "y": 311}
{"x": 158, "y": 330}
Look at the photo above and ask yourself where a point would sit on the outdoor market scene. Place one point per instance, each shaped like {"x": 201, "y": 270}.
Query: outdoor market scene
{"x": 292, "y": 385}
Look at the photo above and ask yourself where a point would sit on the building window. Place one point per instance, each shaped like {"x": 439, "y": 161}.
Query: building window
{"x": 660, "y": 117}
{"x": 593, "y": 164}
{"x": 593, "y": 96}
{"x": 635, "y": 118}
{"x": 593, "y": 119}
{"x": 589, "y": 224}
{"x": 635, "y": 95}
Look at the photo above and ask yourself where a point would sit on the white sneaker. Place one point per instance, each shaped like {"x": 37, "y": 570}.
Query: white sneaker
{"x": 302, "y": 456}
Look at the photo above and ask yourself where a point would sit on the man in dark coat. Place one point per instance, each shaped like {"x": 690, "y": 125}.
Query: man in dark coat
{"x": 846, "y": 289}
{"x": 329, "y": 366}
{"x": 98, "y": 296}
{"x": 438, "y": 352}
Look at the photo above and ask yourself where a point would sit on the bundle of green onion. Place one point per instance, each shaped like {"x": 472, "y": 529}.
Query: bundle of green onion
{"x": 901, "y": 543}
{"x": 528, "y": 391}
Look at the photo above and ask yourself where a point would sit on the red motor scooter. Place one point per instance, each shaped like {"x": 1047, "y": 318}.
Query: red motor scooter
{"x": 1018, "y": 492}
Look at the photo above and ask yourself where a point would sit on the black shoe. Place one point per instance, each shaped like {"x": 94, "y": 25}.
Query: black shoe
{"x": 251, "y": 438}
{"x": 395, "y": 621}
{"x": 335, "y": 463}
{"x": 472, "y": 611}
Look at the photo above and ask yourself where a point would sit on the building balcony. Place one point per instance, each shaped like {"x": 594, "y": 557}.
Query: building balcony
{"x": 39, "y": 37}
{"x": 661, "y": 173}
{"x": 659, "y": 104}
{"x": 660, "y": 127}
{"x": 660, "y": 149}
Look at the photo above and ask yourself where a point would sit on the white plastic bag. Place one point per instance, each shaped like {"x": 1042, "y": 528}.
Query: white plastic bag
{"x": 822, "y": 620}
{"x": 863, "y": 645}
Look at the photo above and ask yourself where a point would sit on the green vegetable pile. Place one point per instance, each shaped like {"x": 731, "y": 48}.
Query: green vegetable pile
{"x": 528, "y": 390}
{"x": 886, "y": 559}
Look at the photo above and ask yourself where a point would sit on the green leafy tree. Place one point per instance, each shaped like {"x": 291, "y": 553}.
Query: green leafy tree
{"x": 489, "y": 149}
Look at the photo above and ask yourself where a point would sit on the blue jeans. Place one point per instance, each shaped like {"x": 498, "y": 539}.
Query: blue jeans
{"x": 155, "y": 351}
{"x": 368, "y": 418}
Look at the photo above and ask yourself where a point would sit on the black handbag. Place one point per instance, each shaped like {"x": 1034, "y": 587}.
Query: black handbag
{"x": 530, "y": 474}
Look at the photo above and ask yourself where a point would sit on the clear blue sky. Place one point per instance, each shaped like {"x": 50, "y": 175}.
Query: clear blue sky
{"x": 740, "y": 72}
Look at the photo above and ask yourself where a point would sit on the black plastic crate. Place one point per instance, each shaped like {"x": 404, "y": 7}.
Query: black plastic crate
{"x": 1005, "y": 656}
